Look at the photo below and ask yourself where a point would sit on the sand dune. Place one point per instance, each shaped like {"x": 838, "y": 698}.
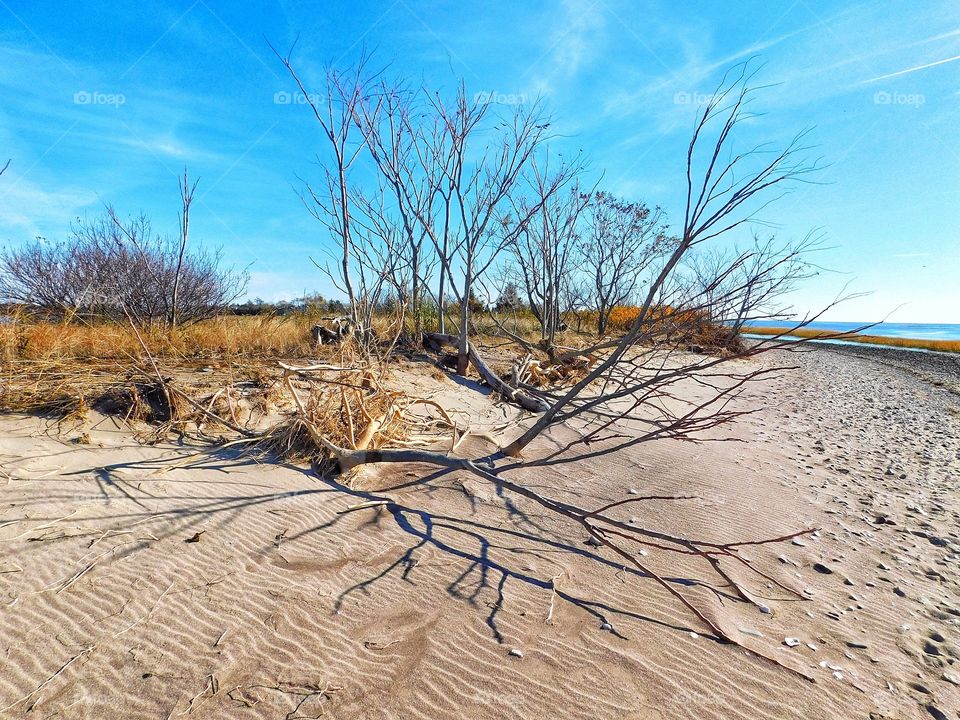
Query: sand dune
{"x": 156, "y": 582}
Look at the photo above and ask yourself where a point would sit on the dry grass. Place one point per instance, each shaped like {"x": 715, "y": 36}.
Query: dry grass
{"x": 937, "y": 345}
{"x": 227, "y": 337}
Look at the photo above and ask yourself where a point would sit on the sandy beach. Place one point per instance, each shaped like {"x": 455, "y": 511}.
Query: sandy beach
{"x": 162, "y": 581}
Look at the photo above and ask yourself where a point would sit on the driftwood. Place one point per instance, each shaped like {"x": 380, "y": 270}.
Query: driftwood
{"x": 516, "y": 395}
{"x": 342, "y": 328}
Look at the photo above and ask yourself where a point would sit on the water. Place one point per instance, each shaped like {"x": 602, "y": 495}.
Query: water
{"x": 913, "y": 331}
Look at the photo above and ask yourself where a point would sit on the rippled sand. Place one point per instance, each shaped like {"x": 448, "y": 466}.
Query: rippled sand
{"x": 152, "y": 582}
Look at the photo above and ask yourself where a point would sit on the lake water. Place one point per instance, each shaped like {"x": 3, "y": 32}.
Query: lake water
{"x": 915, "y": 331}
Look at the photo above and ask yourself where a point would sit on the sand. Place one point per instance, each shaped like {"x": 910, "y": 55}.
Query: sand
{"x": 164, "y": 581}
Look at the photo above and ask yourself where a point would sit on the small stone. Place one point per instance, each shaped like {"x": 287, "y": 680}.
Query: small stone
{"x": 592, "y": 542}
{"x": 607, "y": 626}
{"x": 633, "y": 491}
{"x": 856, "y": 645}
{"x": 791, "y": 642}
{"x": 798, "y": 542}
{"x": 822, "y": 569}
{"x": 900, "y": 592}
{"x": 765, "y": 610}
{"x": 812, "y": 646}
{"x": 937, "y": 713}
{"x": 952, "y": 679}
{"x": 838, "y": 675}
{"x": 516, "y": 652}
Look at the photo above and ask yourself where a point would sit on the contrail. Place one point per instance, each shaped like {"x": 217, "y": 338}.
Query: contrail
{"x": 914, "y": 69}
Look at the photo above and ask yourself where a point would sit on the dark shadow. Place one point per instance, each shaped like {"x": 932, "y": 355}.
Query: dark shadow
{"x": 480, "y": 541}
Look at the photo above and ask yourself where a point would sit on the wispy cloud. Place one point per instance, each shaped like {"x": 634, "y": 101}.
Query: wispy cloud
{"x": 28, "y": 210}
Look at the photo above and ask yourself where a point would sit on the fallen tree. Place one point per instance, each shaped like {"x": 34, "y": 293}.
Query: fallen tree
{"x": 631, "y": 394}
{"x": 526, "y": 400}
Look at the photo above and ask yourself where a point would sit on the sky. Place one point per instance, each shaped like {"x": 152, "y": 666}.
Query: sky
{"x": 107, "y": 102}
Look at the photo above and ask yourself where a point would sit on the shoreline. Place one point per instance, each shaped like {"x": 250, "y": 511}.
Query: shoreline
{"x": 938, "y": 368}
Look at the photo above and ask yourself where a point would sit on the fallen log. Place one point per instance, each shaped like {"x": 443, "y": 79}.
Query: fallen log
{"x": 516, "y": 395}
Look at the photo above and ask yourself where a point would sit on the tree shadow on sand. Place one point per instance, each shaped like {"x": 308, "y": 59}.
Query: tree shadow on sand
{"x": 479, "y": 545}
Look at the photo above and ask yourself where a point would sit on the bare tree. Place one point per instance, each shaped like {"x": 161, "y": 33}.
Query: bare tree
{"x": 479, "y": 186}
{"x": 186, "y": 197}
{"x": 344, "y": 93}
{"x": 544, "y": 254}
{"x": 110, "y": 263}
{"x": 637, "y": 381}
{"x": 621, "y": 241}
{"x": 390, "y": 121}
{"x": 740, "y": 287}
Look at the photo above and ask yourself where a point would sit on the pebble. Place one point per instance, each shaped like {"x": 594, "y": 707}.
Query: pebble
{"x": 822, "y": 569}
{"x": 791, "y": 642}
{"x": 856, "y": 645}
{"x": 765, "y": 610}
{"x": 952, "y": 679}
{"x": 899, "y": 591}
{"x": 607, "y": 626}
{"x": 516, "y": 652}
{"x": 798, "y": 542}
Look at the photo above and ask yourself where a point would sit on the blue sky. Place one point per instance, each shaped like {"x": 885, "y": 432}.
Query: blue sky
{"x": 105, "y": 102}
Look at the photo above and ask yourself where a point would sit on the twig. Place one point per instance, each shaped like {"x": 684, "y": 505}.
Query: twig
{"x": 50, "y": 679}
